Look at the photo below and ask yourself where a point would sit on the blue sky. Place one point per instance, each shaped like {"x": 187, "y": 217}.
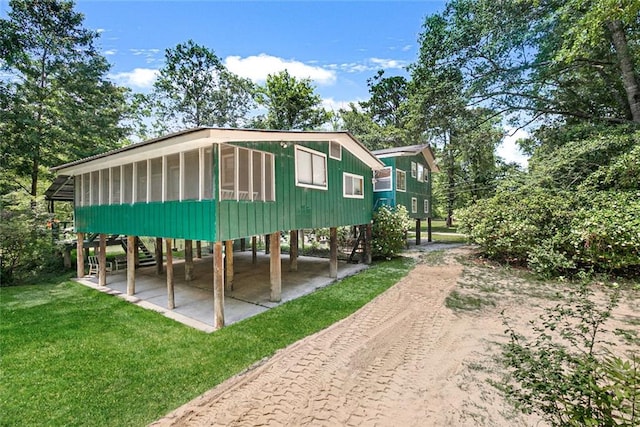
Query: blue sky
{"x": 337, "y": 44}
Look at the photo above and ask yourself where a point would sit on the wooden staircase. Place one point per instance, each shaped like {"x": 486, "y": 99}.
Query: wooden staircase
{"x": 145, "y": 256}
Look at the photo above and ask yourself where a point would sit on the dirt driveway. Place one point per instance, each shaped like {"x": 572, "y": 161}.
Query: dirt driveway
{"x": 405, "y": 359}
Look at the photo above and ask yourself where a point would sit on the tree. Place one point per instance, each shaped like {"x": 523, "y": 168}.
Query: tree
{"x": 195, "y": 89}
{"x": 573, "y": 60}
{"x": 56, "y": 103}
{"x": 290, "y": 104}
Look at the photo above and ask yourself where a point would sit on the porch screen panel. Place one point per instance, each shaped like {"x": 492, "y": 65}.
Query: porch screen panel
{"x": 173, "y": 177}
{"x": 141, "y": 182}
{"x": 77, "y": 189}
{"x": 208, "y": 174}
{"x": 269, "y": 178}
{"x": 86, "y": 190}
{"x": 115, "y": 185}
{"x": 156, "y": 180}
{"x": 258, "y": 176}
{"x": 227, "y": 173}
{"x": 104, "y": 187}
{"x": 191, "y": 175}
{"x": 244, "y": 174}
{"x": 95, "y": 188}
{"x": 127, "y": 187}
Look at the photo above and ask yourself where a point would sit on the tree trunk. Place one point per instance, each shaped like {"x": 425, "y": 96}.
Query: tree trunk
{"x": 629, "y": 78}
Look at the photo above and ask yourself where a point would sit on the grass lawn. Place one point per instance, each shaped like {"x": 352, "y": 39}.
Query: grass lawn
{"x": 74, "y": 356}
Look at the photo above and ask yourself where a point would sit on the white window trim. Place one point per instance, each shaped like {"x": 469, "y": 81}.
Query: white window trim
{"x": 148, "y": 180}
{"x": 414, "y": 205}
{"x": 340, "y": 151}
{"x": 312, "y": 152}
{"x": 420, "y": 175}
{"x": 426, "y": 206}
{"x": 352, "y": 196}
{"x": 134, "y": 191}
{"x": 390, "y": 179}
{"x": 405, "y": 181}
{"x": 414, "y": 169}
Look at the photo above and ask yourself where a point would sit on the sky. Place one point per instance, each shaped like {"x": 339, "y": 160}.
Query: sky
{"x": 337, "y": 44}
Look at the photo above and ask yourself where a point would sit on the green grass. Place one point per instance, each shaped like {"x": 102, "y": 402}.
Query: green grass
{"x": 74, "y": 356}
{"x": 457, "y": 301}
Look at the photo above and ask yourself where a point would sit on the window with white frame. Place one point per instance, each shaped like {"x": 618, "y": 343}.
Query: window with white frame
{"x": 353, "y": 186}
{"x": 426, "y": 174}
{"x": 401, "y": 180}
{"x": 104, "y": 186}
{"x": 172, "y": 177}
{"x": 382, "y": 179}
{"x": 414, "y": 205}
{"x": 127, "y": 184}
{"x": 207, "y": 171}
{"x": 311, "y": 168}
{"x": 414, "y": 169}
{"x": 426, "y": 206}
{"x": 155, "y": 177}
{"x": 227, "y": 172}
{"x": 115, "y": 185}
{"x": 95, "y": 188}
{"x": 335, "y": 150}
{"x": 420, "y": 172}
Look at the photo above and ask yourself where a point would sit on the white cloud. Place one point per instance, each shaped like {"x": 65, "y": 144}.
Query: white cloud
{"x": 110, "y": 52}
{"x": 257, "y": 68}
{"x": 389, "y": 63}
{"x": 406, "y": 48}
{"x": 331, "y": 104}
{"x": 510, "y": 151}
{"x": 139, "y": 78}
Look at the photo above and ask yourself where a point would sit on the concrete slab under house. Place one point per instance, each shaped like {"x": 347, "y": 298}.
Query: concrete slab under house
{"x": 219, "y": 186}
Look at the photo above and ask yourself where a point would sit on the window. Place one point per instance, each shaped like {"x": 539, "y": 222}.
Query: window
{"x": 353, "y": 186}
{"x": 269, "y": 178}
{"x": 244, "y": 174}
{"x": 414, "y": 169}
{"x": 420, "y": 172}
{"x": 401, "y": 180}
{"x": 335, "y": 150}
{"x": 86, "y": 190}
{"x": 426, "y": 174}
{"x": 227, "y": 172}
{"x": 141, "y": 182}
{"x": 311, "y": 168}
{"x": 127, "y": 183}
{"x": 382, "y": 181}
{"x": 191, "y": 172}
{"x": 426, "y": 206}
{"x": 414, "y": 205}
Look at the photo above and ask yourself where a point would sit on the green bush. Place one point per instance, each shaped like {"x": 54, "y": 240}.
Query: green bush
{"x": 565, "y": 372}
{"x": 389, "y": 230}
{"x": 558, "y": 232}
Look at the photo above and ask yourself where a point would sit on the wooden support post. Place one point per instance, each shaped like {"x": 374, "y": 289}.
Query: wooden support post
{"x": 367, "y": 244}
{"x": 198, "y": 249}
{"x": 418, "y": 231}
{"x": 188, "y": 260}
{"x": 267, "y": 244}
{"x": 218, "y": 286}
{"x": 131, "y": 265}
{"x": 136, "y": 251}
{"x": 159, "y": 256}
{"x": 429, "y": 229}
{"x": 275, "y": 267}
{"x": 171, "y": 300}
{"x": 301, "y": 238}
{"x": 333, "y": 252}
{"x": 243, "y": 244}
{"x": 80, "y": 255}
{"x": 254, "y": 249}
{"x": 228, "y": 259}
{"x": 102, "y": 261}
{"x": 293, "y": 250}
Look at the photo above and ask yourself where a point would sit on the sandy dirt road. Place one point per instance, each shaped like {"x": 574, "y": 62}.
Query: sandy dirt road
{"x": 405, "y": 359}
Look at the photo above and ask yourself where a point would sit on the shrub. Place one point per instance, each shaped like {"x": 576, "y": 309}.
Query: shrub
{"x": 389, "y": 230}
{"x": 566, "y": 374}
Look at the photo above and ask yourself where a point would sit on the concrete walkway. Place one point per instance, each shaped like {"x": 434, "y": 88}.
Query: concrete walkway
{"x": 250, "y": 294}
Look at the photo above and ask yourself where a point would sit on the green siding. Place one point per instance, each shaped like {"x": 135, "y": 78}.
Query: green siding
{"x": 299, "y": 207}
{"x": 190, "y": 219}
{"x": 420, "y": 190}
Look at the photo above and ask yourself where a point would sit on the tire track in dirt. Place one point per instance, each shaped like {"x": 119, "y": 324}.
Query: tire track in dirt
{"x": 374, "y": 367}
